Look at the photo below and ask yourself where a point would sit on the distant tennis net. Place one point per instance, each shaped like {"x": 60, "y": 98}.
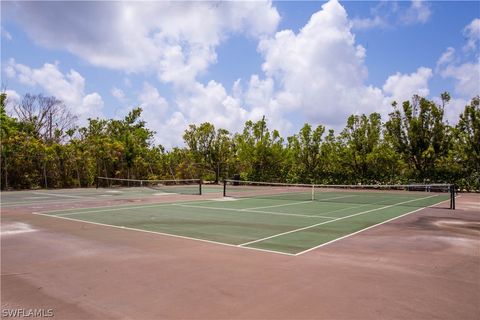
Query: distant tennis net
{"x": 179, "y": 186}
{"x": 415, "y": 195}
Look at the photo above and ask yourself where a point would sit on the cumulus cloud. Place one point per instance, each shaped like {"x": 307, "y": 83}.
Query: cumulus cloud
{"x": 133, "y": 36}
{"x": 169, "y": 133}
{"x": 70, "y": 87}
{"x": 467, "y": 78}
{"x": 155, "y": 108}
{"x": 212, "y": 103}
{"x": 152, "y": 102}
{"x": 321, "y": 70}
{"x": 163, "y": 37}
{"x": 472, "y": 34}
{"x": 401, "y": 87}
{"x": 317, "y": 74}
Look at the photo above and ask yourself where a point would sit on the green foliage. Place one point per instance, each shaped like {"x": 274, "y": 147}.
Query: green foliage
{"x": 305, "y": 155}
{"x": 467, "y": 145}
{"x": 415, "y": 144}
{"x": 259, "y": 152}
{"x": 419, "y": 136}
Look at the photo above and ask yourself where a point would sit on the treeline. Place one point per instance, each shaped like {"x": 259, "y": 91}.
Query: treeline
{"x": 42, "y": 148}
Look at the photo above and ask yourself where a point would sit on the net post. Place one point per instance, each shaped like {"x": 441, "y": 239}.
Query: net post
{"x": 200, "y": 187}
{"x": 96, "y": 182}
{"x": 313, "y": 192}
{"x": 452, "y": 196}
{"x": 224, "y": 188}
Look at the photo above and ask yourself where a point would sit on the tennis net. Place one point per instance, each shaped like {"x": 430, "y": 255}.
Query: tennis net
{"x": 179, "y": 186}
{"x": 415, "y": 195}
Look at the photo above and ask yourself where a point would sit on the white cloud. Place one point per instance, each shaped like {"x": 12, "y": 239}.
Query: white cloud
{"x": 212, "y": 103}
{"x": 200, "y": 103}
{"x": 472, "y": 33}
{"x": 387, "y": 14}
{"x": 317, "y": 74}
{"x": 262, "y": 100}
{"x": 118, "y": 94}
{"x": 467, "y": 78}
{"x": 401, "y": 87}
{"x": 13, "y": 98}
{"x": 70, "y": 88}
{"x": 418, "y": 12}
{"x": 321, "y": 70}
{"x": 154, "y": 108}
{"x": 161, "y": 37}
{"x": 446, "y": 57}
{"x": 151, "y": 101}
{"x": 169, "y": 133}
{"x": 5, "y": 34}
{"x": 453, "y": 109}
{"x": 463, "y": 70}
{"x": 133, "y": 36}
{"x": 368, "y": 23}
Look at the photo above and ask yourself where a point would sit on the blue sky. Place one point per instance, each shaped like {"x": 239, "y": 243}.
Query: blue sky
{"x": 227, "y": 62}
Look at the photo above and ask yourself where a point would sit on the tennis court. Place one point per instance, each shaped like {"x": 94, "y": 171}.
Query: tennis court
{"x": 132, "y": 190}
{"x": 253, "y": 247}
{"x": 285, "y": 220}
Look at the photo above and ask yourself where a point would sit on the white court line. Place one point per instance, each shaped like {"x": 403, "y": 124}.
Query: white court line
{"x": 209, "y": 241}
{"x": 59, "y": 195}
{"x": 277, "y": 205}
{"x": 246, "y": 210}
{"x": 356, "y": 232}
{"x": 35, "y": 198}
{"x": 294, "y": 203}
{"x": 119, "y": 208}
{"x": 290, "y": 214}
{"x": 26, "y": 203}
{"x": 357, "y": 206}
{"x": 166, "y": 234}
{"x": 337, "y": 219}
{"x": 100, "y": 209}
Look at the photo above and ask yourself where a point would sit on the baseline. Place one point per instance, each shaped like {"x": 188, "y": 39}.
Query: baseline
{"x": 165, "y": 234}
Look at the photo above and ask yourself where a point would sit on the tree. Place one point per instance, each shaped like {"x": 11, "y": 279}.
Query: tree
{"x": 364, "y": 152}
{"x": 467, "y": 145}
{"x": 41, "y": 147}
{"x": 259, "y": 153}
{"x": 419, "y": 135}
{"x": 210, "y": 149}
{"x": 48, "y": 117}
{"x": 305, "y": 157}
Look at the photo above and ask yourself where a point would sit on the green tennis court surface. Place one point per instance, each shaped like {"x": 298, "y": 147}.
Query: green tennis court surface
{"x": 278, "y": 225}
{"x": 20, "y": 198}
